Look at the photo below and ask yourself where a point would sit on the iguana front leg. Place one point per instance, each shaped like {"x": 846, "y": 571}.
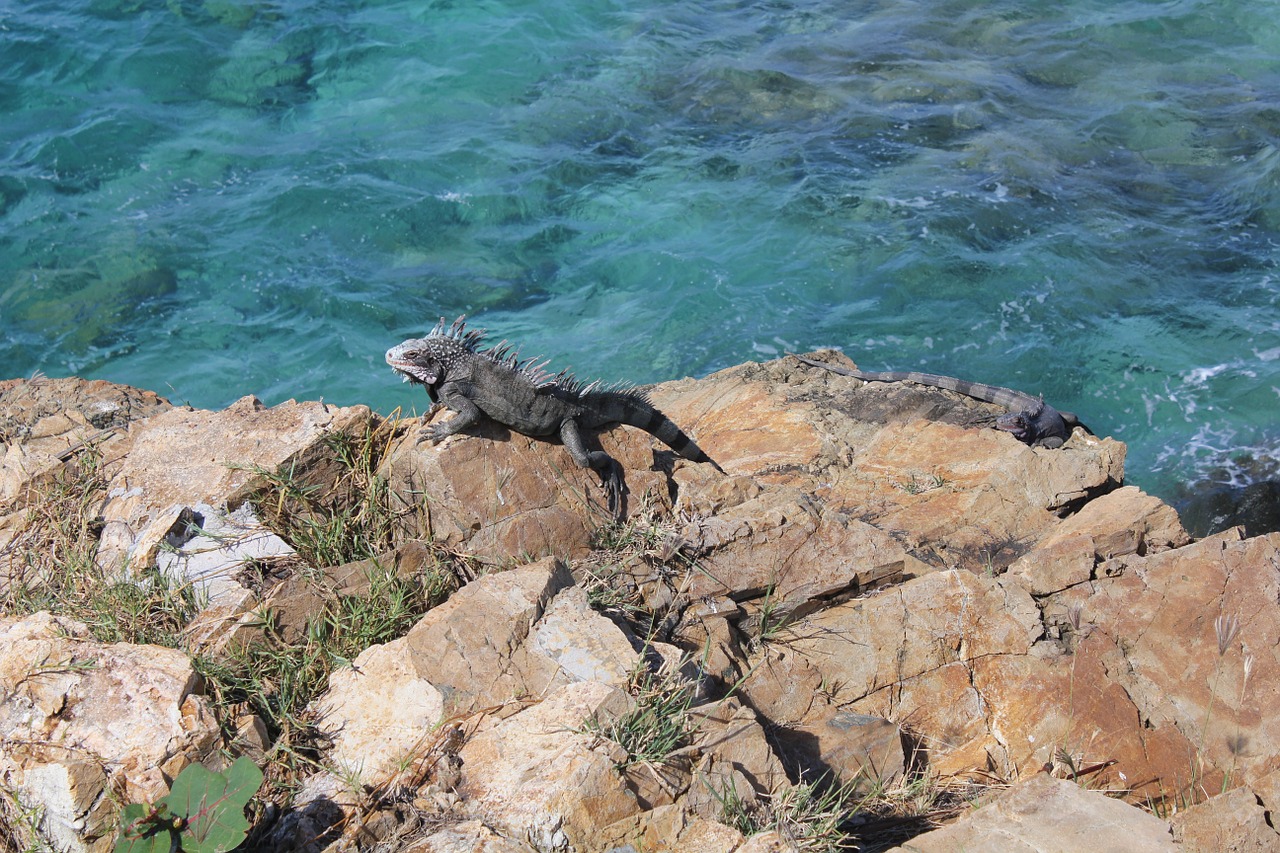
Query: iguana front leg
{"x": 468, "y": 413}
{"x": 602, "y": 463}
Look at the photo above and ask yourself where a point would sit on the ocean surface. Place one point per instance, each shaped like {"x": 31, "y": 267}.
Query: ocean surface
{"x": 1079, "y": 198}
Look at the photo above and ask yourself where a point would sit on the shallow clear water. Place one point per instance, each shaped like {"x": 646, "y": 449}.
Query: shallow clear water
{"x": 1080, "y": 199}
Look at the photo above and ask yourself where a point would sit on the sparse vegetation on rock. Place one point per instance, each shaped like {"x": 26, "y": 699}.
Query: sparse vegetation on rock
{"x": 881, "y": 617}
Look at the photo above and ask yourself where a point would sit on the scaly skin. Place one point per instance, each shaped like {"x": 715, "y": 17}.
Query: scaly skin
{"x": 1030, "y": 419}
{"x": 478, "y": 383}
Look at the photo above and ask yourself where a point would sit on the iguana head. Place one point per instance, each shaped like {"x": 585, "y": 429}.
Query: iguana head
{"x": 428, "y": 360}
{"x": 1021, "y": 424}
{"x": 1037, "y": 424}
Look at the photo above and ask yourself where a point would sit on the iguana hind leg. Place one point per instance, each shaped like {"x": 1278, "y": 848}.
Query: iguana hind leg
{"x": 602, "y": 463}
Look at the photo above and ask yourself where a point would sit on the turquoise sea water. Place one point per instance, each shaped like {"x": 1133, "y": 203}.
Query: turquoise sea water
{"x": 1078, "y": 198}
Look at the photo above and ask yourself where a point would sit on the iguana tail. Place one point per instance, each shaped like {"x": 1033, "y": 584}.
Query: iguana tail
{"x": 634, "y": 409}
{"x": 988, "y": 393}
{"x": 1006, "y": 397}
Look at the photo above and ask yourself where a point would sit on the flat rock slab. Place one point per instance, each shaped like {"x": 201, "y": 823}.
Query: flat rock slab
{"x": 1047, "y": 815}
{"x": 185, "y": 457}
{"x": 919, "y": 463}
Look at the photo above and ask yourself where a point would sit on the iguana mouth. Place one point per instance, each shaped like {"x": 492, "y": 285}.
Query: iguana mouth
{"x": 413, "y": 372}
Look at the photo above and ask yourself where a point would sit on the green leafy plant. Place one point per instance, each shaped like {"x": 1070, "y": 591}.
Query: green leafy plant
{"x": 203, "y": 812}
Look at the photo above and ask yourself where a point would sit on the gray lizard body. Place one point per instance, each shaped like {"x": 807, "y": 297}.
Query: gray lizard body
{"x": 496, "y": 384}
{"x": 1030, "y": 419}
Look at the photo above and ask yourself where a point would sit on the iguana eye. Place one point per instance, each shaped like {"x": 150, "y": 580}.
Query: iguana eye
{"x": 413, "y": 353}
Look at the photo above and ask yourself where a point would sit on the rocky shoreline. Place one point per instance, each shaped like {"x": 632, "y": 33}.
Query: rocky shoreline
{"x": 882, "y": 600}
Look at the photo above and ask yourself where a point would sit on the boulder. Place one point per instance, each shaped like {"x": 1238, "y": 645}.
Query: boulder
{"x": 182, "y": 458}
{"x": 567, "y": 788}
{"x": 513, "y": 635}
{"x": 85, "y": 726}
{"x": 1047, "y": 815}
{"x": 495, "y": 493}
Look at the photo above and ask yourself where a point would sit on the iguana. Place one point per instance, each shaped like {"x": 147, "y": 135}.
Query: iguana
{"x": 521, "y": 395}
{"x": 1030, "y": 419}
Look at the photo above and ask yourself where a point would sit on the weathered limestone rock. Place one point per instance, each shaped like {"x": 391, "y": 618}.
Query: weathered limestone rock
{"x": 1126, "y": 521}
{"x": 567, "y": 791}
{"x": 735, "y": 756}
{"x": 1235, "y": 821}
{"x": 209, "y": 551}
{"x": 1047, "y": 815}
{"x": 83, "y": 724}
{"x": 912, "y": 630}
{"x": 784, "y": 544}
{"x": 904, "y": 458}
{"x": 1109, "y": 640}
{"x": 515, "y": 634}
{"x": 496, "y": 493}
{"x": 43, "y": 420}
{"x": 670, "y": 827}
{"x": 816, "y": 734}
{"x": 1140, "y": 683}
{"x": 185, "y": 457}
{"x": 1190, "y": 636}
{"x": 471, "y": 836}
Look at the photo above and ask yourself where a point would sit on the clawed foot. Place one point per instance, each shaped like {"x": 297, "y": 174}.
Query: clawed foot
{"x": 615, "y": 488}
{"x": 435, "y": 433}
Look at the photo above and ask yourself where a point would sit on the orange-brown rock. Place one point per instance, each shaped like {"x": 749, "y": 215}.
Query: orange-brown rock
{"x": 878, "y": 571}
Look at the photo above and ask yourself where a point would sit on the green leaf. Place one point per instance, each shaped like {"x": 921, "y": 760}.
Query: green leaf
{"x": 213, "y": 805}
{"x": 140, "y": 833}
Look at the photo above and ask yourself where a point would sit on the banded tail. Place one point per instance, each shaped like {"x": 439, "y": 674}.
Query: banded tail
{"x": 1006, "y": 397}
{"x": 634, "y": 409}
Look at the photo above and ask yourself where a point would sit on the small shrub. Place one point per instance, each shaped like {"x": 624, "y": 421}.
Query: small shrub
{"x": 810, "y": 816}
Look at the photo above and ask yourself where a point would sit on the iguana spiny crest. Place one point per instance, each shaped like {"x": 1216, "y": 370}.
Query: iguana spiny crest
{"x": 522, "y": 395}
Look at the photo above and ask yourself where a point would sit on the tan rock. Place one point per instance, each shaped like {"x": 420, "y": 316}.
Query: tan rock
{"x": 818, "y": 736}
{"x": 785, "y": 545}
{"x": 476, "y": 647}
{"x": 1169, "y": 616}
{"x": 497, "y": 493}
{"x": 735, "y": 755}
{"x": 901, "y": 633}
{"x": 515, "y": 634}
{"x": 1126, "y": 521}
{"x": 671, "y": 827}
{"x": 1038, "y": 709}
{"x": 1139, "y": 685}
{"x": 899, "y": 456}
{"x": 379, "y": 713}
{"x": 568, "y": 792}
{"x": 44, "y": 421}
{"x": 470, "y": 836}
{"x": 79, "y": 716}
{"x": 1047, "y": 815}
{"x": 185, "y": 457}
{"x": 771, "y": 841}
{"x": 1234, "y": 822}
